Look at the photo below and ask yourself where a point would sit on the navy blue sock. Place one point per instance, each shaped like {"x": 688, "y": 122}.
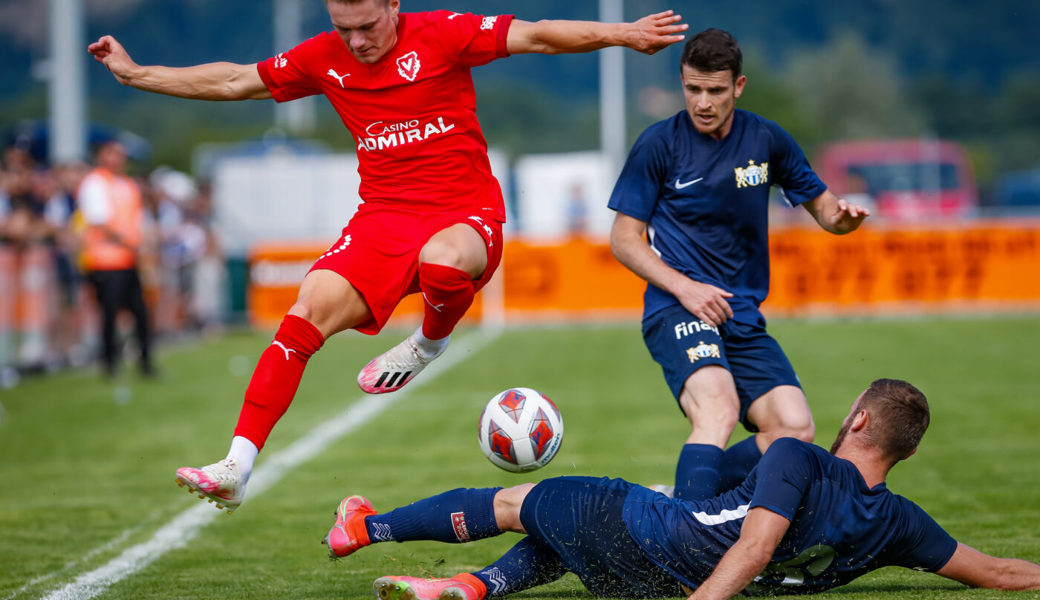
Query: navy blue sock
{"x": 456, "y": 516}
{"x": 527, "y": 564}
{"x": 737, "y": 462}
{"x": 697, "y": 473}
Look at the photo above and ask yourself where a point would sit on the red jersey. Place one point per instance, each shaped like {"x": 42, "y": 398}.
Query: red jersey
{"x": 412, "y": 113}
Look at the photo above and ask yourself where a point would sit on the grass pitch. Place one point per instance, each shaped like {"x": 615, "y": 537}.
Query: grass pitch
{"x": 87, "y": 465}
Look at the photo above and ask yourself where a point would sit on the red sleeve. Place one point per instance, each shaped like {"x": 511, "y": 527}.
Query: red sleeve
{"x": 287, "y": 76}
{"x": 475, "y": 39}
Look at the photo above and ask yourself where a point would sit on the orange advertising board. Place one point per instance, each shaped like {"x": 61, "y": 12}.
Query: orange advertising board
{"x": 981, "y": 267}
{"x": 576, "y": 278}
{"x": 989, "y": 266}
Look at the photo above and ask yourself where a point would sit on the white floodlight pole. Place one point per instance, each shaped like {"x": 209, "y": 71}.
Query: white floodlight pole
{"x": 296, "y": 116}
{"x": 66, "y": 87}
{"x": 612, "y": 123}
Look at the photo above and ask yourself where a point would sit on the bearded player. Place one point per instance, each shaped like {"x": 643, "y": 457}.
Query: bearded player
{"x": 432, "y": 215}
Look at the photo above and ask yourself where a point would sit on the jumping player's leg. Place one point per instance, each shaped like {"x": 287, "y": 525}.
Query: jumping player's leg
{"x": 449, "y": 263}
{"x": 452, "y": 265}
{"x": 327, "y": 303}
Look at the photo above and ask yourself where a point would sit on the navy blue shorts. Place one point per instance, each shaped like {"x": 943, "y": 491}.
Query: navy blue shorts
{"x": 681, "y": 343}
{"x": 580, "y": 519}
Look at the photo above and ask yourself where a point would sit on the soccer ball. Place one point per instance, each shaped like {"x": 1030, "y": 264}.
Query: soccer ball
{"x": 520, "y": 430}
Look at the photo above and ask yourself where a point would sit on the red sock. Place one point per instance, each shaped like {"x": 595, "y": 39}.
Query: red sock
{"x": 449, "y": 293}
{"x": 276, "y": 377}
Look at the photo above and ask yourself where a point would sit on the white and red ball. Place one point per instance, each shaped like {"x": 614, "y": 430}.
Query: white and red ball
{"x": 520, "y": 430}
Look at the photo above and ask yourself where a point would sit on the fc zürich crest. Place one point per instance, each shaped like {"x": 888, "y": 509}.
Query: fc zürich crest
{"x": 702, "y": 350}
{"x": 752, "y": 174}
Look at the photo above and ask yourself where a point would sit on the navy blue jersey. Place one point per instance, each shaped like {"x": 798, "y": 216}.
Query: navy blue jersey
{"x": 706, "y": 202}
{"x": 840, "y": 528}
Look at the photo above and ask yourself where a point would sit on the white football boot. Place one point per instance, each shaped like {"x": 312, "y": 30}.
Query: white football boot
{"x": 391, "y": 370}
{"x": 220, "y": 483}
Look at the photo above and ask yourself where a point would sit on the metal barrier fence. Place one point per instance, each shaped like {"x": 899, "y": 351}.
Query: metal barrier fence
{"x": 49, "y": 318}
{"x": 29, "y": 310}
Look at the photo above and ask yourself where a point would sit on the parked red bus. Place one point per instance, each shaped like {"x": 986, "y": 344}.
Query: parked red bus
{"x": 912, "y": 179}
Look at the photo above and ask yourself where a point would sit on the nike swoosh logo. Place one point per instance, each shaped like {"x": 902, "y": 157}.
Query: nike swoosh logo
{"x": 679, "y": 185}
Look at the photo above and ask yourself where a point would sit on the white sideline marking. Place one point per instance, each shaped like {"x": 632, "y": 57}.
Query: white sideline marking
{"x": 185, "y": 526}
{"x": 113, "y": 543}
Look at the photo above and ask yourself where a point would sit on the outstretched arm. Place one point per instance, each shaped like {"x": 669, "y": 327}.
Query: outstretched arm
{"x": 705, "y": 301}
{"x": 648, "y": 35}
{"x": 835, "y": 214}
{"x": 759, "y": 535}
{"x": 211, "y": 81}
{"x": 971, "y": 567}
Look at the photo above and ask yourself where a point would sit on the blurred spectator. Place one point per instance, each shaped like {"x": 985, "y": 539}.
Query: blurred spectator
{"x": 27, "y": 240}
{"x": 179, "y": 245}
{"x": 191, "y": 262}
{"x": 577, "y": 210}
{"x": 207, "y": 279}
{"x": 8, "y": 271}
{"x": 113, "y": 214}
{"x": 49, "y": 318}
{"x": 74, "y": 330}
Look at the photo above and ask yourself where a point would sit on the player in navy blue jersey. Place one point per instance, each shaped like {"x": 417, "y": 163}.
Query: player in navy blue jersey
{"x": 803, "y": 521}
{"x": 692, "y": 207}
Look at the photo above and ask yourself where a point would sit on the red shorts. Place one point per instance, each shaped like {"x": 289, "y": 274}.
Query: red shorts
{"x": 378, "y": 253}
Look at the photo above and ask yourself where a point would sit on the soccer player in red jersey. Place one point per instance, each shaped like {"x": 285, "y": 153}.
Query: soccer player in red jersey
{"x": 432, "y": 215}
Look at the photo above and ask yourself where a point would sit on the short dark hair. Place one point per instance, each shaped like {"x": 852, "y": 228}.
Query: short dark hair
{"x": 713, "y": 50}
{"x": 899, "y": 416}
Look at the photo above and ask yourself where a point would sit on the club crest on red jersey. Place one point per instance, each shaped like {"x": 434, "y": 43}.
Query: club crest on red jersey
{"x": 408, "y": 66}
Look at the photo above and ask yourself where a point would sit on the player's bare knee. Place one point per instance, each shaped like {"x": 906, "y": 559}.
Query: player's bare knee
{"x": 725, "y": 418}
{"x": 440, "y": 253}
{"x": 712, "y": 427}
{"x": 802, "y": 428}
{"x": 806, "y": 433}
{"x": 303, "y": 310}
{"x": 720, "y": 415}
{"x": 459, "y": 247}
{"x": 507, "y": 505}
{"x": 328, "y": 319}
